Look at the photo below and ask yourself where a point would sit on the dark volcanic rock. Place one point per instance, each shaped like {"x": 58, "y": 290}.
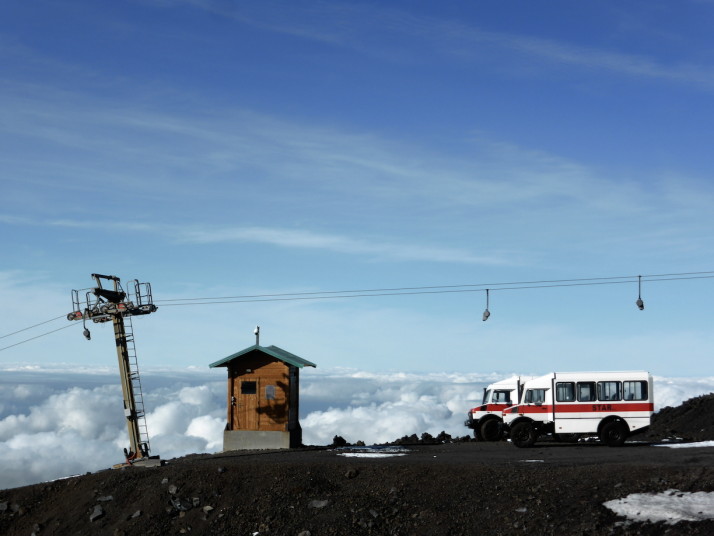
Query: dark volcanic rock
{"x": 692, "y": 421}
{"x": 445, "y": 486}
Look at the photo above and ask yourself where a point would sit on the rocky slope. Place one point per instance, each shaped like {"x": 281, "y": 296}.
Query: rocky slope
{"x": 310, "y": 492}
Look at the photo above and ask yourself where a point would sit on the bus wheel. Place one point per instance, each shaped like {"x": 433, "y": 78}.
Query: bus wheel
{"x": 523, "y": 435}
{"x": 614, "y": 434}
{"x": 491, "y": 430}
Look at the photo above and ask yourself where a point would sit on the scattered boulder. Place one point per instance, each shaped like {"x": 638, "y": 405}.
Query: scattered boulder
{"x": 181, "y": 505}
{"x": 351, "y": 473}
{"x": 97, "y": 513}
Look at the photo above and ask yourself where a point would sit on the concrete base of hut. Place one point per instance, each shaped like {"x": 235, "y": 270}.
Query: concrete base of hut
{"x": 256, "y": 439}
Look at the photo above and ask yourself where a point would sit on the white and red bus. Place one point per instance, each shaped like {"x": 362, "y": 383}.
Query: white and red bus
{"x": 486, "y": 419}
{"x": 611, "y": 405}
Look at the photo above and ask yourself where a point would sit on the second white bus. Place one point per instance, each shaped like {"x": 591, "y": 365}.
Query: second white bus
{"x": 611, "y": 405}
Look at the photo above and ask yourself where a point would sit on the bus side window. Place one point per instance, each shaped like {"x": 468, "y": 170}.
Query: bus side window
{"x": 608, "y": 391}
{"x": 535, "y": 396}
{"x": 635, "y": 390}
{"x": 502, "y": 397}
{"x": 586, "y": 392}
{"x": 565, "y": 392}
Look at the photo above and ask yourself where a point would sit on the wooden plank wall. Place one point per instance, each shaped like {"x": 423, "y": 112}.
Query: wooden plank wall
{"x": 255, "y": 411}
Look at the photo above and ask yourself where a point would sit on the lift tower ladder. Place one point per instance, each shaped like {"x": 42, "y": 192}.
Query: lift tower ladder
{"x": 133, "y": 404}
{"x": 100, "y": 305}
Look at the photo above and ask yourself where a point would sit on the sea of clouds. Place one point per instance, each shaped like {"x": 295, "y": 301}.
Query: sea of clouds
{"x": 56, "y": 422}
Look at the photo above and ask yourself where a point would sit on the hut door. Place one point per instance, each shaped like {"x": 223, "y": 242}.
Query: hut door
{"x": 246, "y": 404}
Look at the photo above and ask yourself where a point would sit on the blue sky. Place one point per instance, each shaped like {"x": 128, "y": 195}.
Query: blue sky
{"x": 216, "y": 148}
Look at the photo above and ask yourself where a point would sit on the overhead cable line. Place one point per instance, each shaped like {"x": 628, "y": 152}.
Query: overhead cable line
{"x": 400, "y": 291}
{"x": 36, "y": 337}
{"x": 442, "y": 289}
{"x": 34, "y": 326}
{"x": 376, "y": 293}
{"x": 397, "y": 289}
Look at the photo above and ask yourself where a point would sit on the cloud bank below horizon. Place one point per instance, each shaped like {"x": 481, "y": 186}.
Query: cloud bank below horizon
{"x": 55, "y": 425}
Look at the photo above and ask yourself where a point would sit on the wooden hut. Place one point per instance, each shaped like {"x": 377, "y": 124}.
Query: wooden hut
{"x": 263, "y": 398}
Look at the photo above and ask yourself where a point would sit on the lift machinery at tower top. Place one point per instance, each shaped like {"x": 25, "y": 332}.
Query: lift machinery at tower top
{"x": 113, "y": 304}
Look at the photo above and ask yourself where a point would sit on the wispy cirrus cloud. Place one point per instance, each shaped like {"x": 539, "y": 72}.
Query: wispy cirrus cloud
{"x": 634, "y": 65}
{"x": 121, "y": 143}
{"x": 340, "y": 244}
{"x": 311, "y": 173}
{"x": 279, "y": 237}
{"x": 276, "y": 155}
{"x": 347, "y": 25}
{"x": 363, "y": 176}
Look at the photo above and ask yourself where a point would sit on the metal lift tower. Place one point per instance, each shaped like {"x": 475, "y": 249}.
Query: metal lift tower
{"x": 113, "y": 305}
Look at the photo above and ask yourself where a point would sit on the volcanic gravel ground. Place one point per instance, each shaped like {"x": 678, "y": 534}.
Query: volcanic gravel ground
{"x": 450, "y": 488}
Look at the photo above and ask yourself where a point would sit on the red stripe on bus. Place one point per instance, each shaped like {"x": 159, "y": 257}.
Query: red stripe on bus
{"x": 589, "y": 407}
{"x": 607, "y": 407}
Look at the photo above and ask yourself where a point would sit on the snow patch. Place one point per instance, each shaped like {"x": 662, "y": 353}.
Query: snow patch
{"x": 686, "y": 445}
{"x": 371, "y": 454}
{"x": 373, "y": 451}
{"x": 670, "y": 506}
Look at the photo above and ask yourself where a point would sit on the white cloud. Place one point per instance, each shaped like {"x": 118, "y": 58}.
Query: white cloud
{"x": 208, "y": 428}
{"x": 84, "y": 413}
{"x": 77, "y": 429}
{"x": 34, "y": 457}
{"x": 673, "y": 391}
{"x": 378, "y": 408}
{"x": 291, "y": 238}
{"x": 297, "y": 238}
{"x": 67, "y": 429}
{"x": 201, "y": 396}
{"x": 189, "y": 420}
{"x": 168, "y": 418}
{"x": 481, "y": 184}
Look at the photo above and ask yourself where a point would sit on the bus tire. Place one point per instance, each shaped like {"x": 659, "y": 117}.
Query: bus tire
{"x": 523, "y": 435}
{"x": 614, "y": 433}
{"x": 491, "y": 430}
